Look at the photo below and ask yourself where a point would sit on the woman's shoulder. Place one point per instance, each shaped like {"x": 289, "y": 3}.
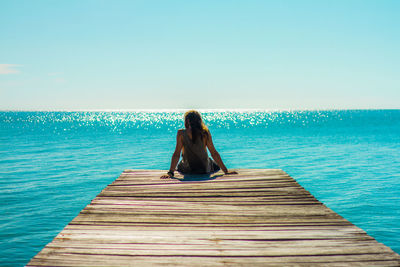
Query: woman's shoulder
{"x": 181, "y": 131}
{"x": 207, "y": 131}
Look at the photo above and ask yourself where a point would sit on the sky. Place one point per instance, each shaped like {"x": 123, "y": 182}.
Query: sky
{"x": 225, "y": 54}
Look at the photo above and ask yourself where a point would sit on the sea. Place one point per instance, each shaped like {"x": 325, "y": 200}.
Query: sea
{"x": 53, "y": 163}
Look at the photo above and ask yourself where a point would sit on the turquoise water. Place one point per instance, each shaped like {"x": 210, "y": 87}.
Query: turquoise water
{"x": 52, "y": 164}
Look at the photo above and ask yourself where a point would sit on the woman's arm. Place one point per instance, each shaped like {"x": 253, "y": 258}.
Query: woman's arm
{"x": 175, "y": 156}
{"x": 215, "y": 155}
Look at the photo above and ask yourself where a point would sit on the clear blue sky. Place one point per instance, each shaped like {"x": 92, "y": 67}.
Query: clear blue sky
{"x": 199, "y": 54}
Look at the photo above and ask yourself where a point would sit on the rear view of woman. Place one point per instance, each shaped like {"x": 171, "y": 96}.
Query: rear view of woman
{"x": 193, "y": 142}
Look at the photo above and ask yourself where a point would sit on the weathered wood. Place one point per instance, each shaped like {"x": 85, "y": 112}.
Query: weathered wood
{"x": 259, "y": 217}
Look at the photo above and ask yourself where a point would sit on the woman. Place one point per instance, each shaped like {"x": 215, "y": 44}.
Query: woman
{"x": 193, "y": 143}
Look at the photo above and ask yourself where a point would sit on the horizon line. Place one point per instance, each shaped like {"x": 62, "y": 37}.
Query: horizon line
{"x": 186, "y": 109}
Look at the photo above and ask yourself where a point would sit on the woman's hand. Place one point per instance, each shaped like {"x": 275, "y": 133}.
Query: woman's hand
{"x": 231, "y": 172}
{"x": 165, "y": 176}
{"x": 168, "y": 175}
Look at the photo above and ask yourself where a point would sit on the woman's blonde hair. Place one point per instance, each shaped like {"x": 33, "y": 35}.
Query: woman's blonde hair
{"x": 193, "y": 118}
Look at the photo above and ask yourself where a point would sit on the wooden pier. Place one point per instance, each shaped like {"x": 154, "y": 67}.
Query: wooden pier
{"x": 261, "y": 217}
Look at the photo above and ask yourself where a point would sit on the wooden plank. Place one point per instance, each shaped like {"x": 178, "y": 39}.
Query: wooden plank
{"x": 259, "y": 217}
{"x": 119, "y": 260}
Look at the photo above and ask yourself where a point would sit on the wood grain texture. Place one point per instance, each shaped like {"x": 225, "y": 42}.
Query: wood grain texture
{"x": 260, "y": 217}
